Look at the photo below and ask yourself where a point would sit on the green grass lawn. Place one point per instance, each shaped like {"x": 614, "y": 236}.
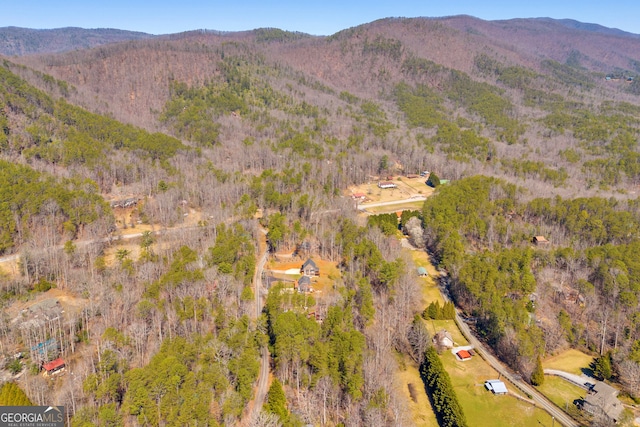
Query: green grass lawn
{"x": 434, "y": 326}
{"x": 560, "y": 392}
{"x": 483, "y": 408}
{"x": 572, "y": 361}
{"x": 563, "y": 394}
{"x": 430, "y": 291}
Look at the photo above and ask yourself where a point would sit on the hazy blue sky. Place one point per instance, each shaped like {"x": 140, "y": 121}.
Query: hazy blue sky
{"x": 314, "y": 17}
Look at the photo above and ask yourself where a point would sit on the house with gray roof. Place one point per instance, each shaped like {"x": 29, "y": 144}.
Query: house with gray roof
{"x": 304, "y": 284}
{"x": 602, "y": 400}
{"x": 309, "y": 268}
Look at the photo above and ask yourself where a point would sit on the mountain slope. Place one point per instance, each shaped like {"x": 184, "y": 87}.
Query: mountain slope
{"x": 145, "y": 67}
{"x": 501, "y": 85}
{"x": 25, "y": 41}
{"x": 271, "y": 130}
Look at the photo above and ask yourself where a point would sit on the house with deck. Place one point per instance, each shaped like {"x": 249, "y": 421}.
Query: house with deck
{"x": 54, "y": 367}
{"x": 309, "y": 268}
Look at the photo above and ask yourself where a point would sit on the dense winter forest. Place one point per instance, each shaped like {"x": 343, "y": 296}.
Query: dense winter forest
{"x": 154, "y": 190}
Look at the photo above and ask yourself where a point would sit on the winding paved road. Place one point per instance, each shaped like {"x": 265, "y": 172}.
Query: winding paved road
{"x": 481, "y": 349}
{"x": 539, "y": 399}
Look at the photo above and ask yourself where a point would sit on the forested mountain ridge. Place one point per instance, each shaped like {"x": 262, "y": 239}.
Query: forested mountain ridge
{"x": 264, "y": 131}
{"x": 518, "y": 66}
{"x": 25, "y": 41}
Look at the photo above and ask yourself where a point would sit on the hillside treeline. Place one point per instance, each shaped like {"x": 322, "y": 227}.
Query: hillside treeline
{"x": 529, "y": 300}
{"x": 260, "y": 136}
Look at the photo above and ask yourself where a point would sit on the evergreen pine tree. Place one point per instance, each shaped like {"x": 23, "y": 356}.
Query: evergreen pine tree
{"x": 537, "y": 377}
{"x": 277, "y": 401}
{"x": 602, "y": 367}
{"x": 12, "y": 395}
{"x": 433, "y": 311}
{"x": 449, "y": 311}
{"x": 433, "y": 181}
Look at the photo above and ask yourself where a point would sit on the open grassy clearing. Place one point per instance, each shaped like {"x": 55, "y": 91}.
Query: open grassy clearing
{"x": 481, "y": 407}
{"x": 408, "y": 206}
{"x": 406, "y": 187}
{"x": 418, "y": 185}
{"x": 561, "y": 392}
{"x": 572, "y": 361}
{"x": 430, "y": 291}
{"x": 322, "y": 284}
{"x": 421, "y": 412}
{"x": 434, "y": 326}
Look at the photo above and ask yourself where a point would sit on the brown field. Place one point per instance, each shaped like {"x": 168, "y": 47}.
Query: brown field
{"x": 409, "y": 206}
{"x": 421, "y": 412}
{"x": 70, "y": 303}
{"x": 322, "y": 284}
{"x": 407, "y": 187}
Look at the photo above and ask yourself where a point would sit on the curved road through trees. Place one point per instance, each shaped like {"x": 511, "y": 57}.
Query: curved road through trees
{"x": 540, "y": 400}
{"x": 481, "y": 349}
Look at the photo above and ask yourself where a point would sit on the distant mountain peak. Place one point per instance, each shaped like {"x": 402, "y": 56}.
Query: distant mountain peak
{"x": 586, "y": 26}
{"x": 18, "y": 41}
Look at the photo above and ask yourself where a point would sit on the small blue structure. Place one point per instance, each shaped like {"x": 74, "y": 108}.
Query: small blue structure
{"x": 42, "y": 348}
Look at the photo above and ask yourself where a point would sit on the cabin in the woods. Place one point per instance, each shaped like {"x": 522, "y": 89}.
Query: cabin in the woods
{"x": 540, "y": 241}
{"x": 54, "y": 367}
{"x": 304, "y": 284}
{"x": 309, "y": 268}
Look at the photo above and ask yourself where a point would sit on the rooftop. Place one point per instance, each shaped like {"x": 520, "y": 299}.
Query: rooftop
{"x": 53, "y": 365}
{"x": 605, "y": 398}
{"x": 463, "y": 354}
{"x": 496, "y": 386}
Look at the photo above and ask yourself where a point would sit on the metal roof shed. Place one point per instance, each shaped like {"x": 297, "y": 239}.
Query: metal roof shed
{"x": 496, "y": 386}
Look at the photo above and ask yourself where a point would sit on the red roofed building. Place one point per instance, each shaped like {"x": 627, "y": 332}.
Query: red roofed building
{"x": 463, "y": 355}
{"x": 54, "y": 366}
